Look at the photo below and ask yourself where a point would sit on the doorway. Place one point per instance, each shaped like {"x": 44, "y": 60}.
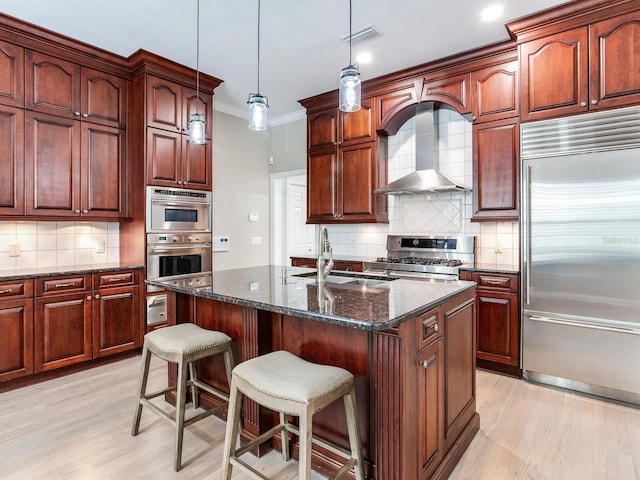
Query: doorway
{"x": 290, "y": 236}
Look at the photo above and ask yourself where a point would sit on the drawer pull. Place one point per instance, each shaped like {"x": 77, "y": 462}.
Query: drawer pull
{"x": 62, "y": 285}
{"x": 434, "y": 327}
{"x": 8, "y": 290}
{"x": 427, "y": 363}
{"x": 493, "y": 282}
{"x": 117, "y": 279}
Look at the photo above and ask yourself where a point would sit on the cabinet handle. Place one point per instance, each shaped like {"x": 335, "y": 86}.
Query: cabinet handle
{"x": 85, "y": 115}
{"x": 117, "y": 279}
{"x": 89, "y": 298}
{"x": 493, "y": 282}
{"x": 434, "y": 327}
{"x": 583, "y": 104}
{"x": 62, "y": 285}
{"x": 9, "y": 290}
{"x": 427, "y": 363}
{"x": 594, "y": 102}
{"x": 97, "y": 297}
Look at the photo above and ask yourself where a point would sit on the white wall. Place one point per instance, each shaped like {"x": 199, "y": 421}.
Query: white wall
{"x": 241, "y": 175}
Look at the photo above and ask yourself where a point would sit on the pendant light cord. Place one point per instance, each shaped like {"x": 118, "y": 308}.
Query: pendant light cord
{"x": 258, "y": 47}
{"x": 198, "y": 56}
{"x": 350, "y": 30}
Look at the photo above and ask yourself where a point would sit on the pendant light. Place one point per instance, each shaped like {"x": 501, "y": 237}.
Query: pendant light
{"x": 258, "y": 104}
{"x": 350, "y": 81}
{"x": 196, "y": 120}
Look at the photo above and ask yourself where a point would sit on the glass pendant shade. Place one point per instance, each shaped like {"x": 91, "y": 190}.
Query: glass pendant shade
{"x": 258, "y": 105}
{"x": 350, "y": 92}
{"x": 196, "y": 129}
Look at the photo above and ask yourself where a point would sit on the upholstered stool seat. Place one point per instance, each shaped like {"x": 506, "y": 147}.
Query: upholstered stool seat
{"x": 289, "y": 385}
{"x": 183, "y": 344}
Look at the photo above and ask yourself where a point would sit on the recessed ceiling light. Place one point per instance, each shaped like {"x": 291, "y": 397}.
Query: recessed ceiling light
{"x": 492, "y": 13}
{"x": 363, "y": 58}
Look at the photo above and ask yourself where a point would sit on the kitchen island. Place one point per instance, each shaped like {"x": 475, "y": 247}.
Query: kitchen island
{"x": 409, "y": 344}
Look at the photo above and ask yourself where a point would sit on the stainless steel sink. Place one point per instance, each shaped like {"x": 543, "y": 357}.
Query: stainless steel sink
{"x": 365, "y": 282}
{"x": 349, "y": 280}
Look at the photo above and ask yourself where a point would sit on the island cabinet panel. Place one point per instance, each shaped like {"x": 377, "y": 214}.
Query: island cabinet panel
{"x": 11, "y": 74}
{"x": 11, "y": 160}
{"x": 16, "y": 329}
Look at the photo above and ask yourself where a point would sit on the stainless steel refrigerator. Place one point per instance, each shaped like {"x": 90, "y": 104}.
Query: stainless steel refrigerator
{"x": 580, "y": 236}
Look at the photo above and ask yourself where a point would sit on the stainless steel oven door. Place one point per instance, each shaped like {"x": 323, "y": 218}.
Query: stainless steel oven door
{"x": 177, "y": 259}
{"x": 178, "y": 210}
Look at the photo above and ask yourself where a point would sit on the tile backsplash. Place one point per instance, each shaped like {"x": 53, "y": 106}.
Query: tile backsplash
{"x": 497, "y": 244}
{"x": 55, "y": 244}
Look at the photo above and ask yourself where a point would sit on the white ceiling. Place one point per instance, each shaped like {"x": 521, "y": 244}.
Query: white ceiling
{"x": 301, "y": 51}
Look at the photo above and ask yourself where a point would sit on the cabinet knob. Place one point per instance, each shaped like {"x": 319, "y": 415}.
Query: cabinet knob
{"x": 97, "y": 296}
{"x": 583, "y": 104}
{"x": 85, "y": 211}
{"x": 77, "y": 114}
{"x": 428, "y": 91}
{"x": 594, "y": 102}
{"x": 77, "y": 211}
{"x": 89, "y": 297}
{"x": 85, "y": 115}
{"x": 179, "y": 182}
{"x": 426, "y": 363}
{"x": 434, "y": 327}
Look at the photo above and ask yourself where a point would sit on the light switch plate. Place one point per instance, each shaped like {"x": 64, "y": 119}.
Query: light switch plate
{"x": 253, "y": 217}
{"x": 256, "y": 240}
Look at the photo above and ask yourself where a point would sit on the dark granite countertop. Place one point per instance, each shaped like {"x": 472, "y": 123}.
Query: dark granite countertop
{"x": 338, "y": 258}
{"x": 37, "y": 272}
{"x": 492, "y": 268}
{"x": 381, "y": 306}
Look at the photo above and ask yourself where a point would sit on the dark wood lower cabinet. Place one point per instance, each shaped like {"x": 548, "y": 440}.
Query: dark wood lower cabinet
{"x": 16, "y": 327}
{"x": 116, "y": 324}
{"x": 62, "y": 331}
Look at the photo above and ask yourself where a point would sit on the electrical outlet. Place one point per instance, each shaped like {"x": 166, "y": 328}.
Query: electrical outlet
{"x": 14, "y": 250}
{"x": 100, "y": 246}
{"x": 497, "y": 248}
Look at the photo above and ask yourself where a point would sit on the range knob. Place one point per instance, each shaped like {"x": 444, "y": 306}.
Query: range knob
{"x": 174, "y": 239}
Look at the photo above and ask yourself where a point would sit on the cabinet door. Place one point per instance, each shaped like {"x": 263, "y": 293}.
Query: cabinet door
{"x": 554, "y": 75}
{"x": 498, "y": 327}
{"x": 454, "y": 90}
{"x": 164, "y": 104}
{"x": 11, "y": 75}
{"x": 11, "y": 160}
{"x": 62, "y": 331}
{"x": 358, "y": 126}
{"x": 52, "y": 85}
{"x": 116, "y": 321}
{"x": 204, "y": 104}
{"x": 103, "y": 170}
{"x": 321, "y": 186}
{"x": 460, "y": 365}
{"x": 104, "y": 98}
{"x": 196, "y": 165}
{"x": 52, "y": 165}
{"x": 494, "y": 92}
{"x": 356, "y": 177}
{"x": 430, "y": 383}
{"x": 322, "y": 129}
{"x": 496, "y": 168}
{"x": 16, "y": 341}
{"x": 615, "y": 62}
{"x": 164, "y": 151}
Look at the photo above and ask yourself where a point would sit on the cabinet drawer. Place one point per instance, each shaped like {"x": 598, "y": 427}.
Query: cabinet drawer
{"x": 113, "y": 279}
{"x": 50, "y": 286}
{"x": 495, "y": 281}
{"x": 16, "y": 289}
{"x": 430, "y": 327}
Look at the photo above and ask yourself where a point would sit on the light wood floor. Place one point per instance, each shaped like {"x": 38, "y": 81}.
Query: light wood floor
{"x": 78, "y": 427}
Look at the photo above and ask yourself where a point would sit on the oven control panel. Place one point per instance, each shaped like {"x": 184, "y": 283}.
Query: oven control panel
{"x": 168, "y": 238}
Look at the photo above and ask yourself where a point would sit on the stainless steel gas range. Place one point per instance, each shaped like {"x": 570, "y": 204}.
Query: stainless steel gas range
{"x": 425, "y": 257}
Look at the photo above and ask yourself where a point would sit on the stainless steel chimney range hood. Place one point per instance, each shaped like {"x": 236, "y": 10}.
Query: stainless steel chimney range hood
{"x": 426, "y": 178}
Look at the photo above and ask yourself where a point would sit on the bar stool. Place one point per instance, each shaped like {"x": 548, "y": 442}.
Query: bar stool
{"x": 289, "y": 385}
{"x": 182, "y": 344}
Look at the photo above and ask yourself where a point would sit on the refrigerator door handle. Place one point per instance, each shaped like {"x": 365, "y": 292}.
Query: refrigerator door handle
{"x": 594, "y": 326}
{"x": 526, "y": 234}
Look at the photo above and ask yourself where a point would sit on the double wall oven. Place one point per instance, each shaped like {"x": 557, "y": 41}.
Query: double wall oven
{"x": 425, "y": 257}
{"x": 178, "y": 241}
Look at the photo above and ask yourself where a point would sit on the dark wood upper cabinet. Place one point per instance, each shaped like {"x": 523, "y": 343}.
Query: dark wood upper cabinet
{"x": 494, "y": 92}
{"x": 11, "y": 75}
{"x": 586, "y": 68}
{"x": 322, "y": 129}
{"x": 11, "y": 161}
{"x": 332, "y": 127}
{"x": 104, "y": 98}
{"x": 453, "y": 90}
{"x": 496, "y": 167}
